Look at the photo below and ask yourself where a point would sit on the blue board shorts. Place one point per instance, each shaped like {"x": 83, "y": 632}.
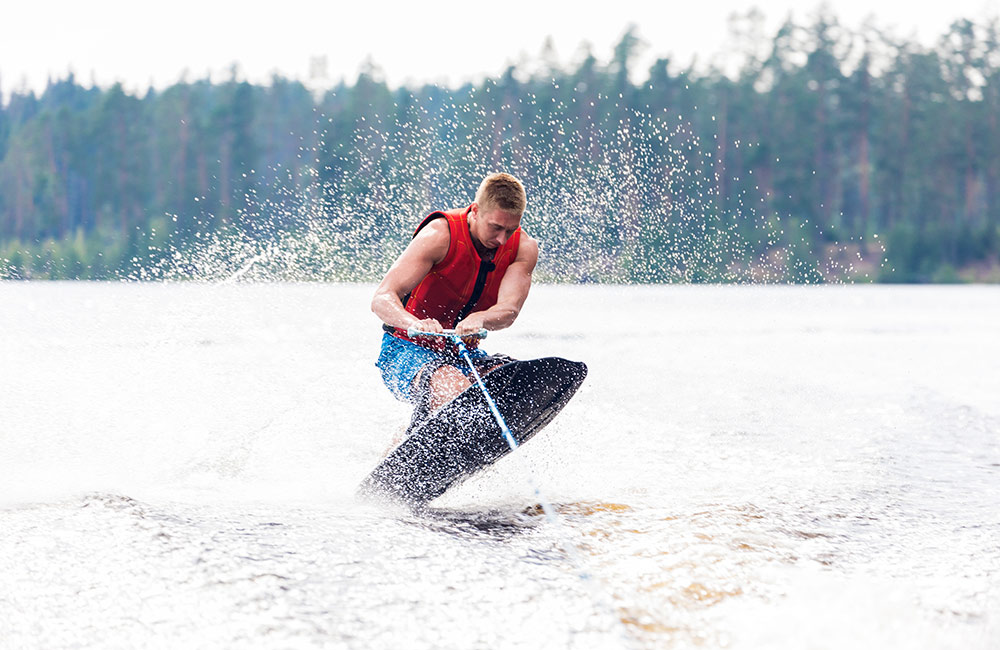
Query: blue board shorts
{"x": 400, "y": 361}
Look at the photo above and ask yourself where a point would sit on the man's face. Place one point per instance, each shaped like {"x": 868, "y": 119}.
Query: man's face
{"x": 492, "y": 229}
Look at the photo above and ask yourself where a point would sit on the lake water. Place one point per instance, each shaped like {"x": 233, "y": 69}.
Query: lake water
{"x": 745, "y": 467}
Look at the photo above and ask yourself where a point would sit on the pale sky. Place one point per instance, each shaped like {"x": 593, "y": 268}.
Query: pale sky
{"x": 142, "y": 43}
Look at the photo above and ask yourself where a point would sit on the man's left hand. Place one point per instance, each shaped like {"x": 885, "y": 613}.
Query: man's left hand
{"x": 470, "y": 326}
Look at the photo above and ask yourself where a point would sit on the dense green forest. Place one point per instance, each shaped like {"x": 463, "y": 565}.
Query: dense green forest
{"x": 829, "y": 154}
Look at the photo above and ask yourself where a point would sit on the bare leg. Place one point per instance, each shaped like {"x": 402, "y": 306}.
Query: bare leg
{"x": 446, "y": 383}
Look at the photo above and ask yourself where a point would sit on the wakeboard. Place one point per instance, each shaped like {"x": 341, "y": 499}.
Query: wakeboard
{"x": 463, "y": 437}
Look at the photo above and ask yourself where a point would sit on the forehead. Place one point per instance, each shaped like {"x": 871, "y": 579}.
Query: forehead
{"x": 502, "y": 218}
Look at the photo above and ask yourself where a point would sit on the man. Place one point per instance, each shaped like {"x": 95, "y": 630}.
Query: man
{"x": 465, "y": 270}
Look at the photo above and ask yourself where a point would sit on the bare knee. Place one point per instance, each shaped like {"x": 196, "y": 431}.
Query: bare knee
{"x": 446, "y": 383}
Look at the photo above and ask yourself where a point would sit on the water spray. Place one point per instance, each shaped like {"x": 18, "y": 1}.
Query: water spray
{"x": 551, "y": 515}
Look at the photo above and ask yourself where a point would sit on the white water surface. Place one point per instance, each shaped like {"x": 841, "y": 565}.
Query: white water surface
{"x": 744, "y": 467}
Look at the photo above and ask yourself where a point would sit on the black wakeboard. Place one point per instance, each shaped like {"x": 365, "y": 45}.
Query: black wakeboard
{"x": 463, "y": 436}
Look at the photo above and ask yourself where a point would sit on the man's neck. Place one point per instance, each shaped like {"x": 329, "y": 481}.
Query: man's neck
{"x": 485, "y": 254}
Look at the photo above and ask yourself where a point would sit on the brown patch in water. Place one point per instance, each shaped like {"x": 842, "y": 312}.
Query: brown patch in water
{"x": 588, "y": 508}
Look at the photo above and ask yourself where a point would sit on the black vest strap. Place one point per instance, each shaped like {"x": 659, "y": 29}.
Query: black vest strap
{"x": 484, "y": 269}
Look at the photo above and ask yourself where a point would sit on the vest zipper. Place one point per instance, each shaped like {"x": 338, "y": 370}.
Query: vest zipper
{"x": 477, "y": 290}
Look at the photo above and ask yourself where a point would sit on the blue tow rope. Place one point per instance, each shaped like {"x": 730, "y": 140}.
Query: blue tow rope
{"x": 464, "y": 352}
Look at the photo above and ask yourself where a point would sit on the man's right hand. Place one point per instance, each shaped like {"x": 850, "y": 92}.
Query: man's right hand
{"x": 427, "y": 325}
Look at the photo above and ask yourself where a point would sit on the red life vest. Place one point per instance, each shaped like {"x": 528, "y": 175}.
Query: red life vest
{"x": 460, "y": 283}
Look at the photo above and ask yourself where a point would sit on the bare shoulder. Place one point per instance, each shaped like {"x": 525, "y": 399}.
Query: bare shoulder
{"x": 527, "y": 249}
{"x": 432, "y": 241}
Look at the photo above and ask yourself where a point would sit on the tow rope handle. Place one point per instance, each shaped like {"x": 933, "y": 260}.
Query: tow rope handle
{"x": 447, "y": 334}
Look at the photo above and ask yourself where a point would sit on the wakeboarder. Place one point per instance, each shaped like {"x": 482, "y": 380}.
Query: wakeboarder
{"x": 466, "y": 269}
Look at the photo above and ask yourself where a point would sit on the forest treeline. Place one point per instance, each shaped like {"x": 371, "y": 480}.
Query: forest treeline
{"x": 828, "y": 153}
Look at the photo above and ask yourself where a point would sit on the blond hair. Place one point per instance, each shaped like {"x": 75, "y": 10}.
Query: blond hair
{"x": 502, "y": 191}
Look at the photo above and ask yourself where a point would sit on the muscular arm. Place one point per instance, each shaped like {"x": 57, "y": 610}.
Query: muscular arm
{"x": 424, "y": 251}
{"x": 511, "y": 295}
